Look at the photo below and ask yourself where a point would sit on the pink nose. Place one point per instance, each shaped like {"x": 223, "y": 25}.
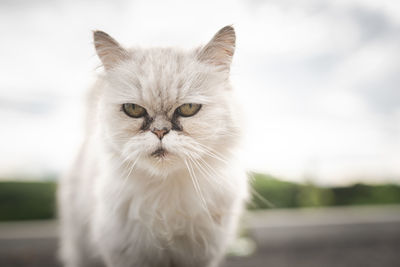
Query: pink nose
{"x": 160, "y": 133}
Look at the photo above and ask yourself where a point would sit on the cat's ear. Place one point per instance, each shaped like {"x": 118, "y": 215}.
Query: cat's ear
{"x": 219, "y": 51}
{"x": 109, "y": 51}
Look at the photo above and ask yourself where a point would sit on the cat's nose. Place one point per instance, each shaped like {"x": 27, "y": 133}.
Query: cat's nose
{"x": 160, "y": 133}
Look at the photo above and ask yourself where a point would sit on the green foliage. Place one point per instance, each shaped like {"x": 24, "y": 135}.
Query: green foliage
{"x": 269, "y": 192}
{"x": 310, "y": 195}
{"x": 27, "y": 200}
{"x": 36, "y": 200}
{"x": 360, "y": 194}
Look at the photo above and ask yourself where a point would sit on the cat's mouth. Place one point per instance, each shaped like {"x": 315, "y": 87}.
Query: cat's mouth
{"x": 159, "y": 153}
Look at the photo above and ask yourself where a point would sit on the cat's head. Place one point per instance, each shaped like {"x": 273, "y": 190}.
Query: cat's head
{"x": 163, "y": 108}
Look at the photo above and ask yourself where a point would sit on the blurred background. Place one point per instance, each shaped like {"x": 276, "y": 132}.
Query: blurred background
{"x": 320, "y": 85}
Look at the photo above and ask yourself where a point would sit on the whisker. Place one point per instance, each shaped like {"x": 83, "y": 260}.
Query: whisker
{"x": 127, "y": 176}
{"x": 203, "y": 171}
{"x": 197, "y": 187}
{"x": 259, "y": 196}
{"x": 220, "y": 186}
{"x": 217, "y": 174}
{"x": 133, "y": 165}
{"x": 207, "y": 173}
{"x": 212, "y": 153}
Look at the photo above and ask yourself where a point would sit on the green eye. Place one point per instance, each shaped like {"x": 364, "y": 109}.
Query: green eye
{"x": 187, "y": 110}
{"x": 133, "y": 110}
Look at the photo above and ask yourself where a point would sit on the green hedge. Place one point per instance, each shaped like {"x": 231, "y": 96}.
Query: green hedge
{"x": 27, "y": 200}
{"x": 360, "y": 194}
{"x": 268, "y": 192}
{"x": 36, "y": 200}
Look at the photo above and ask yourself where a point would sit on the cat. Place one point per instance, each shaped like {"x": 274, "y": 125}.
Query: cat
{"x": 156, "y": 182}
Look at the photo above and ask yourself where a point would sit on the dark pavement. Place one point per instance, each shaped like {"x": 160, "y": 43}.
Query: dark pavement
{"x": 363, "y": 236}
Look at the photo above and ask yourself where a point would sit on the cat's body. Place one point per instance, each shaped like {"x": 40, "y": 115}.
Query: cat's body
{"x": 154, "y": 186}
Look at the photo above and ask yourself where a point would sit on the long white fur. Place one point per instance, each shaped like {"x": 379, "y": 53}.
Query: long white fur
{"x": 120, "y": 206}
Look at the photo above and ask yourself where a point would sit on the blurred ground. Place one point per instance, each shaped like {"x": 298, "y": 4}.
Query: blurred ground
{"x": 328, "y": 237}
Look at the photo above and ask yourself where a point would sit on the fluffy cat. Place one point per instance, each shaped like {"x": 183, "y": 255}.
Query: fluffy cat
{"x": 156, "y": 182}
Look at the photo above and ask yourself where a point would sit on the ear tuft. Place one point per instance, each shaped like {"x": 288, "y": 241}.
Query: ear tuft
{"x": 219, "y": 51}
{"x": 109, "y": 51}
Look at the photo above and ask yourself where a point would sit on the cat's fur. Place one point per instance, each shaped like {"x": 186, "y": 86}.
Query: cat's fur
{"x": 122, "y": 207}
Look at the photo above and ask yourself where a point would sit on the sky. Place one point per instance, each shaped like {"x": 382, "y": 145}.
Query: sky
{"x": 318, "y": 80}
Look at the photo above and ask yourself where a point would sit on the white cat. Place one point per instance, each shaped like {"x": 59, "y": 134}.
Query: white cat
{"x": 156, "y": 182}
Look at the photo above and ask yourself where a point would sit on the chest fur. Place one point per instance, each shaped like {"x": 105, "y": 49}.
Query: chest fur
{"x": 168, "y": 210}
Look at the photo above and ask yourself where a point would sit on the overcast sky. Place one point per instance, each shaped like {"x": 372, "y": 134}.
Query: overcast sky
{"x": 319, "y": 80}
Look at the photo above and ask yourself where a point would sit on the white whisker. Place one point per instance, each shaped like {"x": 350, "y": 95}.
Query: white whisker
{"x": 212, "y": 153}
{"x": 197, "y": 187}
{"x": 207, "y": 174}
{"x": 218, "y": 175}
{"x": 127, "y": 176}
{"x": 259, "y": 196}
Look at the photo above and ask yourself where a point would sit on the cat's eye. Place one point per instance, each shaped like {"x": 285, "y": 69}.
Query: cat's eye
{"x": 133, "y": 110}
{"x": 189, "y": 109}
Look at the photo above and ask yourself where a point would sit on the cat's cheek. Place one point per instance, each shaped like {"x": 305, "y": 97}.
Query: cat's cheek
{"x": 197, "y": 128}
{"x": 148, "y": 143}
{"x": 171, "y": 143}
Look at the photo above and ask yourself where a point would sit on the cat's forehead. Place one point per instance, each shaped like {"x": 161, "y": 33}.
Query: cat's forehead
{"x": 160, "y": 79}
{"x": 173, "y": 58}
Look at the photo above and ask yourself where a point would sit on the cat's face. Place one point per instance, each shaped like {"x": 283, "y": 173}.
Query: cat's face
{"x": 165, "y": 109}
